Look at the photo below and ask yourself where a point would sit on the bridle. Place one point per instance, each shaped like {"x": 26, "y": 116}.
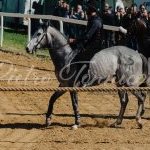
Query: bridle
{"x": 35, "y": 46}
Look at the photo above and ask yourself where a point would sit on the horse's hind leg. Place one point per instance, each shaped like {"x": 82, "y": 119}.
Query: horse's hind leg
{"x": 140, "y": 111}
{"x": 74, "y": 98}
{"x": 143, "y": 107}
{"x": 123, "y": 101}
{"x": 53, "y": 99}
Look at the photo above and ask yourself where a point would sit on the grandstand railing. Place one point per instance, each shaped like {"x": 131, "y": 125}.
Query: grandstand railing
{"x": 61, "y": 20}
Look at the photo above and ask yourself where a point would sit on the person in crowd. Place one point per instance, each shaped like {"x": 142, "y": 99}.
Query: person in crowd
{"x": 108, "y": 19}
{"x": 59, "y": 8}
{"x": 78, "y": 13}
{"x": 77, "y": 30}
{"x": 65, "y": 14}
{"x": 119, "y": 3}
{"x": 126, "y": 9}
{"x": 146, "y": 18}
{"x": 119, "y": 16}
{"x": 65, "y": 10}
{"x": 35, "y": 22}
{"x": 131, "y": 40}
{"x": 144, "y": 15}
{"x": 149, "y": 15}
{"x": 146, "y": 36}
{"x": 119, "y": 37}
{"x": 134, "y": 11}
{"x": 127, "y": 19}
{"x": 62, "y": 9}
{"x": 142, "y": 8}
{"x": 91, "y": 41}
{"x": 58, "y": 12}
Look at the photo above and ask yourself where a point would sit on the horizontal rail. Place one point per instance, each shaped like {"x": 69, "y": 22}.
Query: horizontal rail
{"x": 77, "y": 89}
{"x": 56, "y": 18}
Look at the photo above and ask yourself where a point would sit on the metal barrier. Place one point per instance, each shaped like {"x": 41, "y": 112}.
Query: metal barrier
{"x": 46, "y": 17}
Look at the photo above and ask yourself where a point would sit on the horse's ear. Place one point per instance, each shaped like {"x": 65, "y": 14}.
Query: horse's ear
{"x": 41, "y": 22}
{"x": 44, "y": 24}
{"x": 48, "y": 23}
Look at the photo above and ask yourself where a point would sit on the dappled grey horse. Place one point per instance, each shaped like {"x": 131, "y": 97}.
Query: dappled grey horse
{"x": 127, "y": 65}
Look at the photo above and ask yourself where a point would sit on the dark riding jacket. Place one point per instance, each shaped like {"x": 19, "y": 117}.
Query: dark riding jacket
{"x": 92, "y": 38}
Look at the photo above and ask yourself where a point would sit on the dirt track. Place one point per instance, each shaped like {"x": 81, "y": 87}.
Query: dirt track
{"x": 22, "y": 114}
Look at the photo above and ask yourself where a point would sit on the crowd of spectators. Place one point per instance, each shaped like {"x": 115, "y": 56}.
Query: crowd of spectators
{"x": 119, "y": 17}
{"x": 64, "y": 10}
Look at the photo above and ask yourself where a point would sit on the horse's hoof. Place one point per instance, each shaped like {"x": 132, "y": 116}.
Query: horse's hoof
{"x": 114, "y": 125}
{"x": 75, "y": 127}
{"x": 48, "y": 122}
{"x": 140, "y": 125}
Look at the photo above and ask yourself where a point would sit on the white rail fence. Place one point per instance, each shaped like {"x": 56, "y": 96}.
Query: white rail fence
{"x": 46, "y": 17}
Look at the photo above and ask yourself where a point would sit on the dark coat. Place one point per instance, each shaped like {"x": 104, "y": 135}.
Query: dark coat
{"x": 91, "y": 41}
{"x": 92, "y": 38}
{"x": 109, "y": 18}
{"x": 148, "y": 28}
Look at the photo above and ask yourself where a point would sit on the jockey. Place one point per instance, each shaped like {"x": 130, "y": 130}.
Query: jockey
{"x": 91, "y": 41}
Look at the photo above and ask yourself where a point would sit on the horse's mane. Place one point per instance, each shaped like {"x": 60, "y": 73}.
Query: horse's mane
{"x": 51, "y": 25}
{"x": 73, "y": 55}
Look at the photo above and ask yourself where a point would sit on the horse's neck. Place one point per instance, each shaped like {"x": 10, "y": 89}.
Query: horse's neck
{"x": 61, "y": 57}
{"x": 58, "y": 39}
{"x": 62, "y": 54}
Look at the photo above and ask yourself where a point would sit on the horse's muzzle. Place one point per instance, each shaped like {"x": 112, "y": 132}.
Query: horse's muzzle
{"x": 28, "y": 51}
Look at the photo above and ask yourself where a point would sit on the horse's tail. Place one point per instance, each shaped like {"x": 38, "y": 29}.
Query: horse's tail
{"x": 148, "y": 77}
{"x": 145, "y": 66}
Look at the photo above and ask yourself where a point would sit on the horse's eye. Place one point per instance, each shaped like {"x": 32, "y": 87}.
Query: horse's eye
{"x": 38, "y": 34}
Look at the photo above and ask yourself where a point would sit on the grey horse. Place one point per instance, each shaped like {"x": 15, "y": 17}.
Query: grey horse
{"x": 127, "y": 65}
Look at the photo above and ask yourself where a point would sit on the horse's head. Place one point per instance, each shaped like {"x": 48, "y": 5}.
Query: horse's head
{"x": 40, "y": 39}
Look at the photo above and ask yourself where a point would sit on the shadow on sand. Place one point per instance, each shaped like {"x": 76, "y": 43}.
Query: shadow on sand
{"x": 30, "y": 126}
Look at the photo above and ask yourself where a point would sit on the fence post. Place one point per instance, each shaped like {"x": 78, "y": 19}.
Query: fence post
{"x": 61, "y": 26}
{"x": 29, "y": 29}
{"x": 2, "y": 29}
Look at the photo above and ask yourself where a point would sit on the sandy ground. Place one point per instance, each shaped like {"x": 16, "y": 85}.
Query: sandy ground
{"x": 22, "y": 114}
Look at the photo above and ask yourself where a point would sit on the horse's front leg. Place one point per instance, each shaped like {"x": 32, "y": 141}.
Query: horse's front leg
{"x": 52, "y": 100}
{"x": 74, "y": 98}
{"x": 123, "y": 101}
